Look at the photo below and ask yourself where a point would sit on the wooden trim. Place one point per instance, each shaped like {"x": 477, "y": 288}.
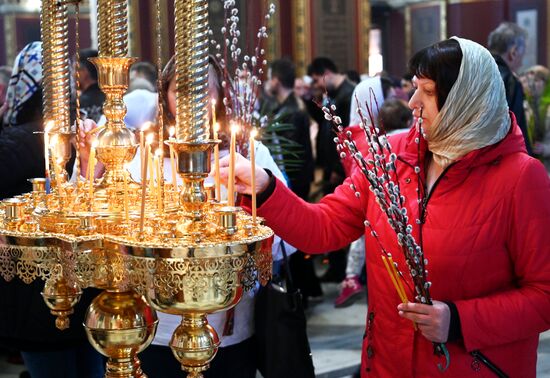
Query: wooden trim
{"x": 134, "y": 35}
{"x": 363, "y": 29}
{"x": 408, "y": 35}
{"x": 273, "y": 50}
{"x": 301, "y": 35}
{"x": 10, "y": 36}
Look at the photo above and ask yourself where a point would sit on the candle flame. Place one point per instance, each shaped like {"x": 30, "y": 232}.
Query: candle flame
{"x": 49, "y": 126}
{"x": 146, "y": 126}
{"x": 172, "y": 131}
{"x": 150, "y": 138}
{"x": 234, "y": 128}
{"x": 158, "y": 152}
{"x": 253, "y": 133}
{"x": 94, "y": 143}
{"x": 216, "y": 127}
{"x": 213, "y": 102}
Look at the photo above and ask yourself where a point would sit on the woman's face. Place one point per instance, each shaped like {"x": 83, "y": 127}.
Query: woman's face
{"x": 171, "y": 96}
{"x": 425, "y": 98}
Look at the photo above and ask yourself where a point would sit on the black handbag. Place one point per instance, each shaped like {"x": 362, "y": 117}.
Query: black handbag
{"x": 283, "y": 346}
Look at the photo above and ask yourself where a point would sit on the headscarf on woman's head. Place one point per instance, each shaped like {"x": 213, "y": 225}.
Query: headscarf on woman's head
{"x": 475, "y": 114}
{"x": 26, "y": 80}
{"x": 362, "y": 93}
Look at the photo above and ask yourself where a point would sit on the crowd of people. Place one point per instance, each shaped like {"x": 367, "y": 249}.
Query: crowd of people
{"x": 469, "y": 129}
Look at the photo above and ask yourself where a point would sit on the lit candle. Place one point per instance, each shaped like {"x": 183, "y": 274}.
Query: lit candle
{"x": 49, "y": 126}
{"x": 144, "y": 184}
{"x": 252, "y": 148}
{"x": 125, "y": 189}
{"x": 150, "y": 166}
{"x": 172, "y": 132}
{"x": 231, "y": 178}
{"x": 213, "y": 113}
{"x": 158, "y": 157}
{"x": 144, "y": 128}
{"x": 91, "y": 170}
{"x": 217, "y": 186}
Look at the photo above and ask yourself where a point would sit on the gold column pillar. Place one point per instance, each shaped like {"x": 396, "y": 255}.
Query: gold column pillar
{"x": 273, "y": 50}
{"x": 363, "y": 26}
{"x": 301, "y": 11}
{"x": 191, "y": 70}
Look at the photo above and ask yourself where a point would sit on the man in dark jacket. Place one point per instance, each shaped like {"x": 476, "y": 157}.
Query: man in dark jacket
{"x": 91, "y": 98}
{"x": 507, "y": 44}
{"x": 339, "y": 91}
{"x": 291, "y": 110}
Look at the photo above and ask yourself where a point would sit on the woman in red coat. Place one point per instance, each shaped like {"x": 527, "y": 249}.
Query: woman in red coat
{"x": 483, "y": 223}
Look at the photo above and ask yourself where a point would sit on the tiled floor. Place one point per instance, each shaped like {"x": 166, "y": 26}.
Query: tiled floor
{"x": 335, "y": 336}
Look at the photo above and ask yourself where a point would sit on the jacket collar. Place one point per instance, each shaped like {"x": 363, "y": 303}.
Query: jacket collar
{"x": 513, "y": 142}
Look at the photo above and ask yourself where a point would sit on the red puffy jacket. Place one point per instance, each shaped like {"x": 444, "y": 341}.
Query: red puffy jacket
{"x": 487, "y": 238}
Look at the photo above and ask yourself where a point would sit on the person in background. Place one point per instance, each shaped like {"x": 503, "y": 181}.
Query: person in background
{"x": 291, "y": 110}
{"x": 5, "y": 74}
{"x": 91, "y": 97}
{"x": 479, "y": 209}
{"x": 339, "y": 90}
{"x": 146, "y": 71}
{"x": 507, "y": 43}
{"x": 407, "y": 85}
{"x": 25, "y": 321}
{"x": 353, "y": 76}
{"x": 536, "y": 104}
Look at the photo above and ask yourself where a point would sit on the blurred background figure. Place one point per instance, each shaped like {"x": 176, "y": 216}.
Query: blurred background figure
{"x": 143, "y": 75}
{"x": 507, "y": 43}
{"x": 91, "y": 97}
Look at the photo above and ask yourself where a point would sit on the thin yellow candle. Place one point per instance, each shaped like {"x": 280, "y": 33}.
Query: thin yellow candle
{"x": 144, "y": 128}
{"x": 172, "y": 132}
{"x": 91, "y": 170}
{"x": 149, "y": 162}
{"x": 158, "y": 156}
{"x": 143, "y": 187}
{"x": 125, "y": 189}
{"x": 49, "y": 126}
{"x": 217, "y": 186}
{"x": 213, "y": 113}
{"x": 231, "y": 178}
{"x": 252, "y": 147}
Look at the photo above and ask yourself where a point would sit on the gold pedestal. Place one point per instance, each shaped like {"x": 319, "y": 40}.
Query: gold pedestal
{"x": 119, "y": 325}
{"x": 194, "y": 344}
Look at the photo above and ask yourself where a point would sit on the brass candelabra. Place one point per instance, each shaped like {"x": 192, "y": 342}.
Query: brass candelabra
{"x": 149, "y": 245}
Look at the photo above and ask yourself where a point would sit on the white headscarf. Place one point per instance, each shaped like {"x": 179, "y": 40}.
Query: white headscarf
{"x": 363, "y": 94}
{"x": 475, "y": 113}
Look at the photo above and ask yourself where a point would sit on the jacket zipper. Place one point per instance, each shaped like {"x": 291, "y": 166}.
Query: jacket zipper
{"x": 425, "y": 200}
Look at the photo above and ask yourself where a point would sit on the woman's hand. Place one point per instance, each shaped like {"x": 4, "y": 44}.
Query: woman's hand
{"x": 433, "y": 321}
{"x": 243, "y": 175}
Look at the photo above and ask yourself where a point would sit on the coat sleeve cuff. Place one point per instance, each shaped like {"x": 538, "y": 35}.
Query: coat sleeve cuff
{"x": 455, "y": 329}
{"x": 263, "y": 196}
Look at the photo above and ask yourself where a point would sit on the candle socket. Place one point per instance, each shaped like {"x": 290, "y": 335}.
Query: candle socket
{"x": 193, "y": 167}
{"x": 227, "y": 219}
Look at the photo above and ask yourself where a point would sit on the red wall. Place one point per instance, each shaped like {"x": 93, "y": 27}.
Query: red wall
{"x": 474, "y": 20}
{"x": 394, "y": 51}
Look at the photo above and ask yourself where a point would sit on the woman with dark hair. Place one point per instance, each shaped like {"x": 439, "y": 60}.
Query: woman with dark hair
{"x": 483, "y": 210}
